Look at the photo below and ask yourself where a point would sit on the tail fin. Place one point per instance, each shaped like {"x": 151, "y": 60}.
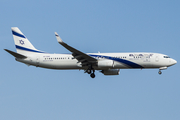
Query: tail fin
{"x": 23, "y": 46}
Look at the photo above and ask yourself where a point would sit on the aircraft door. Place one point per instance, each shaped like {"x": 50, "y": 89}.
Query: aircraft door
{"x": 37, "y": 61}
{"x": 157, "y": 59}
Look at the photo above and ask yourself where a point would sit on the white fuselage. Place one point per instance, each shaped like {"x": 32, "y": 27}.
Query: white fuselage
{"x": 112, "y": 61}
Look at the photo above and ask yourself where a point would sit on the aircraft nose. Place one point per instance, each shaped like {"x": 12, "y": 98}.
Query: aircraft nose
{"x": 173, "y": 61}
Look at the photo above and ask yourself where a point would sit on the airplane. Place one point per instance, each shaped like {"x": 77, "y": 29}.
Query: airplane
{"x": 106, "y": 63}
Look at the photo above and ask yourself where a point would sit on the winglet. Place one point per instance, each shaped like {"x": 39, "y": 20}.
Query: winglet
{"x": 58, "y": 38}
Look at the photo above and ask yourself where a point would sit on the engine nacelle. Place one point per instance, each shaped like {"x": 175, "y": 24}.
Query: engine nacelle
{"x": 105, "y": 63}
{"x": 111, "y": 72}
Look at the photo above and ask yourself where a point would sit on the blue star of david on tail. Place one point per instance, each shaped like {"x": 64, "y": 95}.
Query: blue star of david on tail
{"x": 21, "y": 42}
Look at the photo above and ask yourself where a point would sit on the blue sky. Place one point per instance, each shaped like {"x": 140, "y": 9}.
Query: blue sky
{"x": 28, "y": 93}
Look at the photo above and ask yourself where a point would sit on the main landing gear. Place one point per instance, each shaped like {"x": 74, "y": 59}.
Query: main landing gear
{"x": 92, "y": 75}
{"x": 90, "y": 71}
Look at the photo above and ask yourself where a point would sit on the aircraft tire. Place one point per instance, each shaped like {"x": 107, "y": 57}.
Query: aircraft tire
{"x": 89, "y": 71}
{"x": 92, "y": 75}
{"x": 160, "y": 72}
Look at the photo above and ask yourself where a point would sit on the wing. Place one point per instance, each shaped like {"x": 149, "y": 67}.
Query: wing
{"x": 80, "y": 56}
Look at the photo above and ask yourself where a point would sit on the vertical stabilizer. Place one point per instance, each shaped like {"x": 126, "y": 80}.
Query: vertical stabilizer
{"x": 23, "y": 45}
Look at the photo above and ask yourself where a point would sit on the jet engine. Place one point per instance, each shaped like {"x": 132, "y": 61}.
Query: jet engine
{"x": 111, "y": 72}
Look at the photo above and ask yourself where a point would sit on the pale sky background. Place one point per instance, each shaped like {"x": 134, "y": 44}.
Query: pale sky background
{"x": 30, "y": 93}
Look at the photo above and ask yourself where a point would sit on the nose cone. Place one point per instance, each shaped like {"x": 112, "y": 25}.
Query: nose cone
{"x": 173, "y": 62}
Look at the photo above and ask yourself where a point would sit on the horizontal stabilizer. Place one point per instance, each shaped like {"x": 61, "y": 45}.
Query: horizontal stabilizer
{"x": 16, "y": 55}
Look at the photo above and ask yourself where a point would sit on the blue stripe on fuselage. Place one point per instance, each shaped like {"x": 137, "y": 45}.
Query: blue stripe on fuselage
{"x": 126, "y": 62}
{"x": 27, "y": 49}
{"x": 17, "y": 34}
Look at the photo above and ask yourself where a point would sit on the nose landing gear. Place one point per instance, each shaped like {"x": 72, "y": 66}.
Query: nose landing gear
{"x": 161, "y": 68}
{"x": 160, "y": 72}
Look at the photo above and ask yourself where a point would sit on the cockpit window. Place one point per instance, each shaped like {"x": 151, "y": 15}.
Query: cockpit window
{"x": 166, "y": 57}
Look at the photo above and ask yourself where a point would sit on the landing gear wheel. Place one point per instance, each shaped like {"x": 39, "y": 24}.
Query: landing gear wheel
{"x": 160, "y": 72}
{"x": 92, "y": 75}
{"x": 89, "y": 71}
